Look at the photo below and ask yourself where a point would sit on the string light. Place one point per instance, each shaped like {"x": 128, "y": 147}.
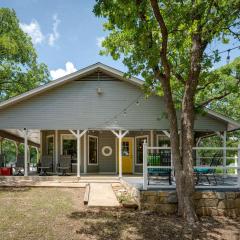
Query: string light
{"x": 114, "y": 119}
{"x": 228, "y": 52}
{"x": 228, "y": 56}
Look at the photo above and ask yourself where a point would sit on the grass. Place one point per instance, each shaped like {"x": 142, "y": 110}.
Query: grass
{"x": 53, "y": 213}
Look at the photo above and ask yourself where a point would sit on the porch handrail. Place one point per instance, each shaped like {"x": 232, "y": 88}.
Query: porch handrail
{"x": 221, "y": 166}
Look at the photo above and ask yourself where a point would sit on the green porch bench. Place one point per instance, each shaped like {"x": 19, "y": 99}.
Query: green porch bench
{"x": 159, "y": 159}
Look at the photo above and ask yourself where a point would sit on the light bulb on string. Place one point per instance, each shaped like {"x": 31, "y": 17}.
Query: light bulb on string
{"x": 125, "y": 113}
{"x": 137, "y": 103}
{"x": 228, "y": 56}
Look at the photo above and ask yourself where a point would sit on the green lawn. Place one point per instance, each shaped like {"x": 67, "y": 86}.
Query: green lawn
{"x": 48, "y": 213}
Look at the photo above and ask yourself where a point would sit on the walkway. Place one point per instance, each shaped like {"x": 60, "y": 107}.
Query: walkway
{"x": 102, "y": 195}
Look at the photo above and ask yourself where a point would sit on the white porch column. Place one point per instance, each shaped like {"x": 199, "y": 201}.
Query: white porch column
{"x": 145, "y": 170}
{"x": 120, "y": 135}
{"x": 1, "y": 140}
{"x": 198, "y": 160}
{"x": 56, "y": 150}
{"x": 224, "y": 152}
{"x": 85, "y": 152}
{"x": 152, "y": 140}
{"x": 238, "y": 170}
{"x": 37, "y": 151}
{"x": 78, "y": 153}
{"x": 120, "y": 154}
{"x": 25, "y": 134}
{"x": 78, "y": 135}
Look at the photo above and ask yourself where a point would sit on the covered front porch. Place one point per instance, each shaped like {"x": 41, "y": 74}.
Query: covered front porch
{"x": 83, "y": 152}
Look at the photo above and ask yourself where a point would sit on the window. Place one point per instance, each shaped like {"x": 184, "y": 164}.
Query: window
{"x": 125, "y": 148}
{"x": 92, "y": 150}
{"x": 69, "y": 145}
{"x": 139, "y": 149}
{"x": 163, "y": 141}
{"x": 50, "y": 145}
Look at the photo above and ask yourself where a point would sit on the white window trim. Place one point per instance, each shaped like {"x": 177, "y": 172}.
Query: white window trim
{"x": 67, "y": 136}
{"x": 161, "y": 135}
{"x": 93, "y": 164}
{"x": 47, "y": 137}
{"x": 135, "y": 146}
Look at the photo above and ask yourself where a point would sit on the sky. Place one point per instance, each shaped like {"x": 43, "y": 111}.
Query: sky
{"x": 67, "y": 35}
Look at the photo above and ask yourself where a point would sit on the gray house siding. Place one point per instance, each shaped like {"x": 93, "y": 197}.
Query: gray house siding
{"x": 77, "y": 105}
{"x": 106, "y": 164}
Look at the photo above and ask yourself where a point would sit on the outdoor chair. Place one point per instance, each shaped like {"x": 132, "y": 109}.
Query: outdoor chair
{"x": 161, "y": 159}
{"x": 2, "y": 160}
{"x": 46, "y": 164}
{"x": 206, "y": 172}
{"x": 19, "y": 165}
{"x": 64, "y": 164}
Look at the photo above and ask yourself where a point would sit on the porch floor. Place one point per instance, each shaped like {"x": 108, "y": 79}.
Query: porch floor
{"x": 230, "y": 182}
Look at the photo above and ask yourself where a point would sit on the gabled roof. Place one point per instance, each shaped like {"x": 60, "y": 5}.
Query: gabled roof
{"x": 232, "y": 124}
{"x": 70, "y": 77}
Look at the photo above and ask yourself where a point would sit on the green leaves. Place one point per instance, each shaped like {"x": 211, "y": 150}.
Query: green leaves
{"x": 19, "y": 69}
{"x": 136, "y": 38}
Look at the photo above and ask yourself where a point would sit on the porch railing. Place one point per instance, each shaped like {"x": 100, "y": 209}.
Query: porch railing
{"x": 221, "y": 164}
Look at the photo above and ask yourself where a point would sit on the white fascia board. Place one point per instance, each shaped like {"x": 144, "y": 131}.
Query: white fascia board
{"x": 232, "y": 124}
{"x": 67, "y": 78}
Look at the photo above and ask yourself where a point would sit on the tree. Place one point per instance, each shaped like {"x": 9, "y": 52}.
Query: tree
{"x": 19, "y": 69}
{"x": 167, "y": 42}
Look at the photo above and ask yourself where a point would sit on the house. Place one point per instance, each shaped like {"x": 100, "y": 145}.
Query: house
{"x": 100, "y": 119}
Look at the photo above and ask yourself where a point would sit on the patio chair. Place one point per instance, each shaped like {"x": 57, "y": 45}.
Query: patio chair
{"x": 64, "y": 164}
{"x": 201, "y": 172}
{"x": 2, "y": 160}
{"x": 46, "y": 164}
{"x": 19, "y": 165}
{"x": 162, "y": 159}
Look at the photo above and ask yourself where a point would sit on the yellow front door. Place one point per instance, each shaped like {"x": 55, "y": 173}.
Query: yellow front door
{"x": 127, "y": 155}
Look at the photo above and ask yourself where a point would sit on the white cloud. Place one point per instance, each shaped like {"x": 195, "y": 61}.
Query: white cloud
{"x": 99, "y": 41}
{"x": 70, "y": 68}
{"x": 34, "y": 31}
{"x": 55, "y": 34}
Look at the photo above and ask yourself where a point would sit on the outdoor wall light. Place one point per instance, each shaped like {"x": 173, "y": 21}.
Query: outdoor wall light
{"x": 99, "y": 91}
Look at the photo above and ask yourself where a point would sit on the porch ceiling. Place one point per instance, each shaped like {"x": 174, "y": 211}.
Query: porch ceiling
{"x": 15, "y": 135}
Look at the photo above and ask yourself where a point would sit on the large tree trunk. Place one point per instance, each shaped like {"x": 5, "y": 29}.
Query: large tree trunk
{"x": 182, "y": 159}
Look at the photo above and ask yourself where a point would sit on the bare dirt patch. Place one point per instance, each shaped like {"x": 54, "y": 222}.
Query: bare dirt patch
{"x": 59, "y": 213}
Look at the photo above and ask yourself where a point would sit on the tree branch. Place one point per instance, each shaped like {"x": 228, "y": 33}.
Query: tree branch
{"x": 164, "y": 32}
{"x": 204, "y": 104}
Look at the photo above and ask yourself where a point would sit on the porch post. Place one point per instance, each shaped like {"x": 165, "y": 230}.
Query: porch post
{"x": 152, "y": 140}
{"x": 17, "y": 149}
{"x": 224, "y": 152}
{"x": 25, "y": 133}
{"x": 238, "y": 165}
{"x": 85, "y": 152}
{"x": 120, "y": 136}
{"x": 120, "y": 153}
{"x": 78, "y": 135}
{"x": 145, "y": 170}
{"x": 56, "y": 150}
{"x": 78, "y": 154}
{"x": 1, "y": 140}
